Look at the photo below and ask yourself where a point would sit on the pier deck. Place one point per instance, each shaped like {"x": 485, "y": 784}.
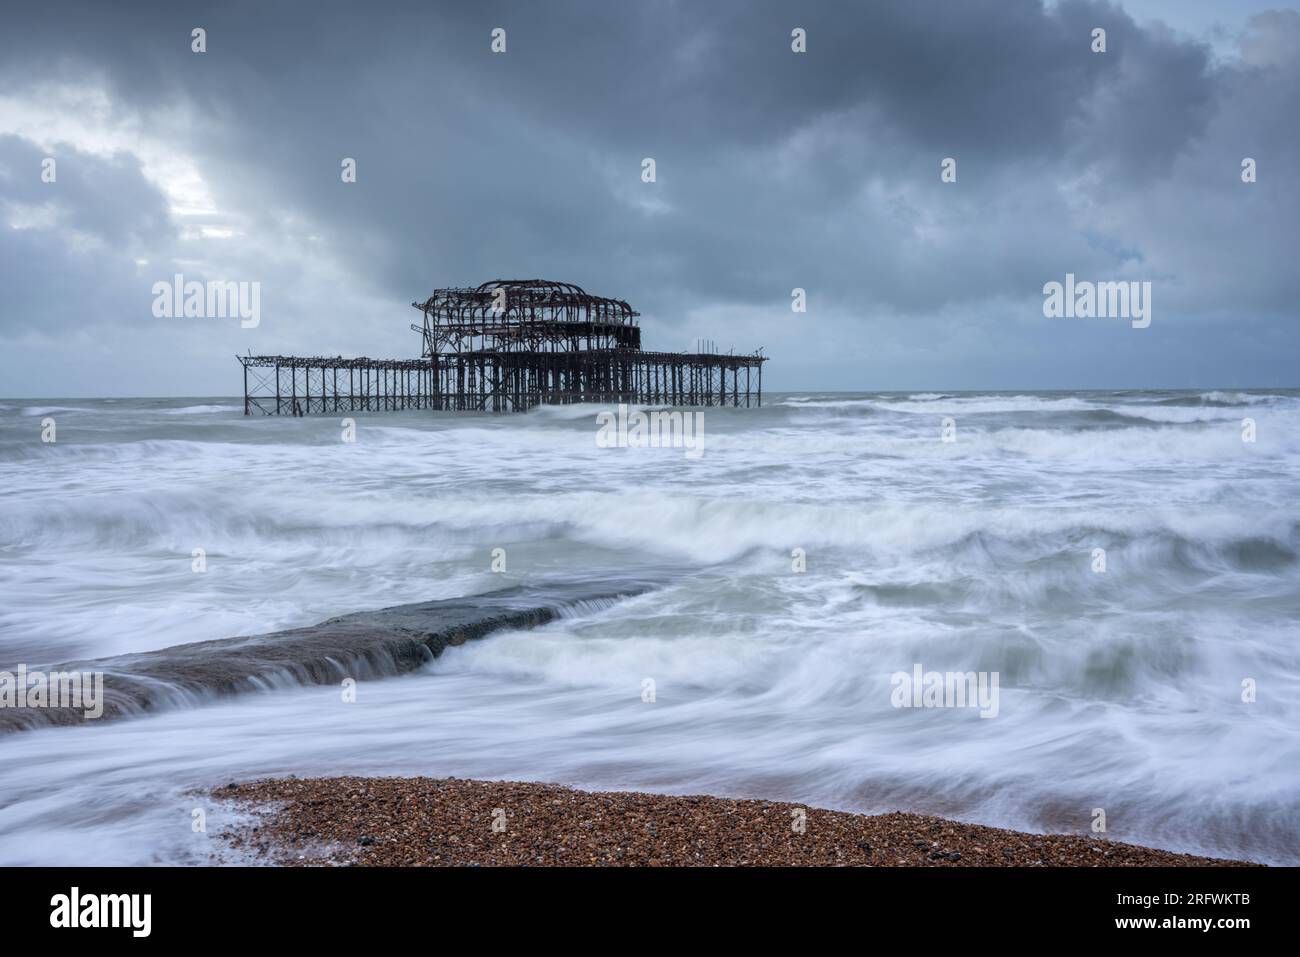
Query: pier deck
{"x": 507, "y": 346}
{"x": 498, "y": 382}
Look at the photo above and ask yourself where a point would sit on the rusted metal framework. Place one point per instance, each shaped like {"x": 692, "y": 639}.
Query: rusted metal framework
{"x": 525, "y": 315}
{"x": 296, "y": 385}
{"x": 507, "y": 345}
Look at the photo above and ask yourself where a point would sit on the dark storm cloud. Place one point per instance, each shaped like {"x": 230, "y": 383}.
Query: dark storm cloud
{"x": 107, "y": 198}
{"x": 68, "y": 250}
{"x": 775, "y": 170}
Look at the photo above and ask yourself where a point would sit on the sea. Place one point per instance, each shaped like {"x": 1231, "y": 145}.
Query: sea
{"x": 1125, "y": 565}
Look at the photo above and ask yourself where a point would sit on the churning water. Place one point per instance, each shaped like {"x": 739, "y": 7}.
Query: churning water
{"x": 1120, "y": 689}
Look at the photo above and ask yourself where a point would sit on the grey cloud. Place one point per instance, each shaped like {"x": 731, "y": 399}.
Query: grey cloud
{"x": 775, "y": 170}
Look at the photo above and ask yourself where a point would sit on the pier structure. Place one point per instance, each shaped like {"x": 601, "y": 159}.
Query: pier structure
{"x": 507, "y": 346}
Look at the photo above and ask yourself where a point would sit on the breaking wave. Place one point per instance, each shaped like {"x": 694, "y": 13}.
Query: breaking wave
{"x": 1123, "y": 561}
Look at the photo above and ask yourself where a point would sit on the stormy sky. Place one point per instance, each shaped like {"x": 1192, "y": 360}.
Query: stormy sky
{"x": 774, "y": 170}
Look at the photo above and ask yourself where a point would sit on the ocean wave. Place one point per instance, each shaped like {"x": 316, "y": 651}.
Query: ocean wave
{"x": 52, "y": 409}
{"x": 863, "y": 405}
{"x": 983, "y": 404}
{"x": 202, "y": 409}
{"x": 977, "y": 554}
{"x": 1220, "y": 399}
{"x": 1166, "y": 414}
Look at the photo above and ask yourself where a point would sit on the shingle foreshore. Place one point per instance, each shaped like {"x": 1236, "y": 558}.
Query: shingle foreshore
{"x": 452, "y": 822}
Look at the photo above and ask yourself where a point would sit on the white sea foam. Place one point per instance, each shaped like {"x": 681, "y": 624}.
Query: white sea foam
{"x": 202, "y": 409}
{"x": 1119, "y": 689}
{"x": 53, "y": 409}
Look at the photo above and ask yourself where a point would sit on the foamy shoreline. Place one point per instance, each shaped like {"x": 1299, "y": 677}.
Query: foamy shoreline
{"x": 1125, "y": 563}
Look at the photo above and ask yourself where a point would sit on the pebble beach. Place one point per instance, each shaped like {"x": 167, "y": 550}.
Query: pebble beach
{"x": 432, "y": 822}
